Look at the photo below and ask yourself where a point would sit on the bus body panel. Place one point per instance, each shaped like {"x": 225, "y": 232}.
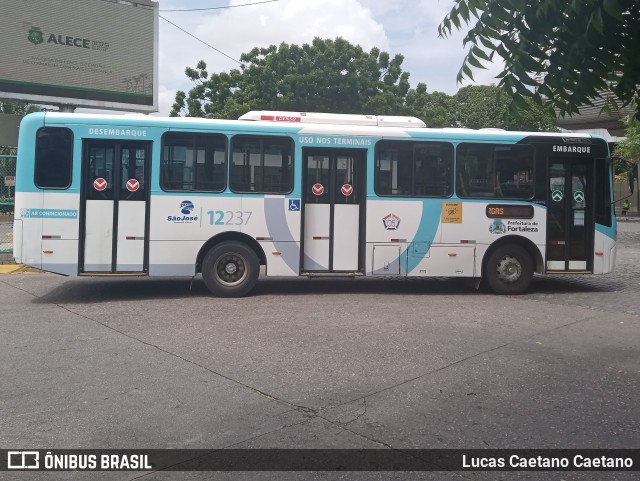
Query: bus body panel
{"x": 346, "y": 230}
{"x": 604, "y": 253}
{"x": 170, "y": 258}
{"x": 317, "y": 240}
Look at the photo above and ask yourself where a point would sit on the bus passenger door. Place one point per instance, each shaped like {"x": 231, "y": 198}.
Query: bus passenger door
{"x": 115, "y": 199}
{"x": 334, "y": 193}
{"x": 570, "y": 215}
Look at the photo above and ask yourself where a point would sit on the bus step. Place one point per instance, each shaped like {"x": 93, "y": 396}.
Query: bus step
{"x": 332, "y": 274}
{"x": 569, "y": 272}
{"x": 113, "y": 274}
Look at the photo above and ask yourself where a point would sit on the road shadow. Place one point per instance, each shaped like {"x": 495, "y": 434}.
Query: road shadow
{"x": 573, "y": 283}
{"x": 97, "y": 290}
{"x": 396, "y": 286}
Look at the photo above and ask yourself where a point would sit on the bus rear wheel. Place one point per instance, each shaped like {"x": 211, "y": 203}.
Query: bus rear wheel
{"x": 230, "y": 269}
{"x": 509, "y": 270}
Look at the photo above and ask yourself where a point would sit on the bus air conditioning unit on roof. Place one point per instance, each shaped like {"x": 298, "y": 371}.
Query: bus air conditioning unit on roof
{"x": 334, "y": 119}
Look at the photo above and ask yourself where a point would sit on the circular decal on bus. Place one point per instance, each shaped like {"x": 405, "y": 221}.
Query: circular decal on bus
{"x": 133, "y": 185}
{"x": 347, "y": 189}
{"x": 99, "y": 184}
{"x": 317, "y": 189}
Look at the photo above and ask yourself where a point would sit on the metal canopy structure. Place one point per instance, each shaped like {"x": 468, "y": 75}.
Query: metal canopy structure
{"x": 593, "y": 117}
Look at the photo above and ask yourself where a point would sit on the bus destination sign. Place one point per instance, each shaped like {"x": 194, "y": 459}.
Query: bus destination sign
{"x": 509, "y": 211}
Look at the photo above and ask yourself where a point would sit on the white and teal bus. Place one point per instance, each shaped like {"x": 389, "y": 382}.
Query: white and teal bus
{"x": 305, "y": 194}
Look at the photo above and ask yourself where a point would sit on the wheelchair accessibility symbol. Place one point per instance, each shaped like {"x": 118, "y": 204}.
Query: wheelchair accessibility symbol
{"x": 294, "y": 204}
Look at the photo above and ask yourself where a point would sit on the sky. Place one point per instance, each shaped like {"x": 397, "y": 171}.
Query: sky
{"x": 407, "y": 27}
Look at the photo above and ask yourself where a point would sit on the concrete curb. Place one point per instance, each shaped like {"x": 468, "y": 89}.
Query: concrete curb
{"x": 17, "y": 269}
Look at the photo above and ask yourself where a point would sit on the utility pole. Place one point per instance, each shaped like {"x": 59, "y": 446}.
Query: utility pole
{"x": 638, "y": 188}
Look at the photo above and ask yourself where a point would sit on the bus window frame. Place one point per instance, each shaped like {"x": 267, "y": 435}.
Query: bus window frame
{"x": 194, "y": 134}
{"x": 413, "y": 143}
{"x": 534, "y": 157}
{"x": 261, "y": 138}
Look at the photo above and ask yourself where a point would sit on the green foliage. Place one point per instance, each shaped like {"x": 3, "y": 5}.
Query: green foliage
{"x": 18, "y": 108}
{"x": 629, "y": 148}
{"x": 477, "y": 107}
{"x": 481, "y": 106}
{"x": 324, "y": 76}
{"x": 437, "y": 109}
{"x": 565, "y": 52}
{"x": 7, "y": 151}
{"x": 335, "y": 76}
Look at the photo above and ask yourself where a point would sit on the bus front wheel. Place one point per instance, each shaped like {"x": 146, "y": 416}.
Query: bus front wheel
{"x": 509, "y": 270}
{"x": 230, "y": 269}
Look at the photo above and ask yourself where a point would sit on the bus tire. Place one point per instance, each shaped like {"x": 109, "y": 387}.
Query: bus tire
{"x": 509, "y": 270}
{"x": 230, "y": 269}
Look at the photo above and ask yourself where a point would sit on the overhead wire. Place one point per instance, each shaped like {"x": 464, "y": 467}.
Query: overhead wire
{"x": 216, "y": 8}
{"x": 201, "y": 41}
{"x": 209, "y": 8}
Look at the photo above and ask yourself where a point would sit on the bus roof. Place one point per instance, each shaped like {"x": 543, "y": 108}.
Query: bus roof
{"x": 382, "y": 129}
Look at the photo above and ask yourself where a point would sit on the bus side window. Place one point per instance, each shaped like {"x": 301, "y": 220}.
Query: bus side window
{"x": 495, "y": 171}
{"x": 54, "y": 158}
{"x": 463, "y": 179}
{"x": 261, "y": 164}
{"x": 193, "y": 162}
{"x": 413, "y": 169}
{"x": 603, "y": 193}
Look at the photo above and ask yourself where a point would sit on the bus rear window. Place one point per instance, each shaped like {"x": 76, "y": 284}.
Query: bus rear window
{"x": 54, "y": 158}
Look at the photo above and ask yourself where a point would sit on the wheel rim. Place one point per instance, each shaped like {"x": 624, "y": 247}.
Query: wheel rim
{"x": 231, "y": 269}
{"x": 509, "y": 269}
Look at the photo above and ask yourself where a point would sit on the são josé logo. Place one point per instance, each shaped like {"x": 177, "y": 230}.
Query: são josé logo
{"x": 186, "y": 207}
{"x": 187, "y": 217}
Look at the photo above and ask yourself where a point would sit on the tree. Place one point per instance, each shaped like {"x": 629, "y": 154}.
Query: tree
{"x": 8, "y": 164}
{"x": 562, "y": 52}
{"x": 481, "y": 106}
{"x": 629, "y": 148}
{"x": 324, "y": 76}
{"x": 15, "y": 108}
{"x": 336, "y": 76}
{"x": 435, "y": 109}
{"x": 477, "y": 107}
{"x": 627, "y": 152}
{"x": 18, "y": 108}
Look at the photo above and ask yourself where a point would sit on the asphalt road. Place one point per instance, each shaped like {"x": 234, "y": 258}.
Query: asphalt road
{"x": 153, "y": 363}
